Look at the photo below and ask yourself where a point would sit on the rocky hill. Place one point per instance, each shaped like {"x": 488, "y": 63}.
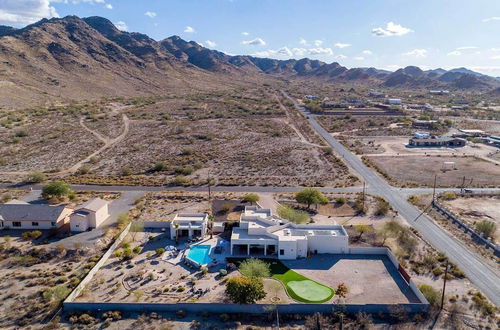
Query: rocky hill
{"x": 73, "y": 58}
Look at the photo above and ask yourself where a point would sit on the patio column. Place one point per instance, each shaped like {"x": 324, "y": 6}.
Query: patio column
{"x": 248, "y": 249}
{"x": 231, "y": 248}
{"x": 265, "y": 249}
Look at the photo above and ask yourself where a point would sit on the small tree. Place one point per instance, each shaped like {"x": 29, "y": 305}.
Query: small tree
{"x": 382, "y": 207}
{"x": 432, "y": 295}
{"x": 251, "y": 198}
{"x": 342, "y": 290}
{"x": 135, "y": 228}
{"x": 159, "y": 251}
{"x": 362, "y": 228}
{"x": 310, "y": 196}
{"x": 255, "y": 268}
{"x": 245, "y": 290}
{"x": 486, "y": 227}
{"x": 56, "y": 189}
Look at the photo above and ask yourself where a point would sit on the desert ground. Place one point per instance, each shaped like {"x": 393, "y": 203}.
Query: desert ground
{"x": 420, "y": 170}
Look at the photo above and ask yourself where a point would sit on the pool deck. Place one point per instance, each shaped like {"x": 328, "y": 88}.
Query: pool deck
{"x": 213, "y": 242}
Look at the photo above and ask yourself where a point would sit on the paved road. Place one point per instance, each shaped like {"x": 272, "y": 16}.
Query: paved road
{"x": 478, "y": 272}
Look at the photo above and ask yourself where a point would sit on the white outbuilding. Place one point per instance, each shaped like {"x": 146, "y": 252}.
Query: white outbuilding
{"x": 89, "y": 215}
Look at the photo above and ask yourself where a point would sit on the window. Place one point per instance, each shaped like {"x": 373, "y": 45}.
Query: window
{"x": 16, "y": 224}
{"x": 34, "y": 224}
{"x": 53, "y": 224}
{"x": 282, "y": 252}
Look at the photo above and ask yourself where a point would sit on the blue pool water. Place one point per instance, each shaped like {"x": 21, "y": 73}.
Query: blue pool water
{"x": 200, "y": 254}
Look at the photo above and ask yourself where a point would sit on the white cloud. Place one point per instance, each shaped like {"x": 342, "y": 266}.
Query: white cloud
{"x": 495, "y": 49}
{"x": 210, "y": 43}
{"x": 391, "y": 29}
{"x": 16, "y": 12}
{"x": 254, "y": 42}
{"x": 245, "y": 33}
{"x": 317, "y": 43}
{"x": 320, "y": 51}
{"x": 109, "y": 6}
{"x": 416, "y": 53}
{"x": 341, "y": 45}
{"x": 359, "y": 58}
{"x": 494, "y": 18}
{"x": 367, "y": 52}
{"x": 341, "y": 57}
{"x": 189, "y": 29}
{"x": 283, "y": 51}
{"x": 454, "y": 53}
{"x": 496, "y": 57}
{"x": 120, "y": 25}
{"x": 303, "y": 41}
{"x": 150, "y": 14}
{"x": 466, "y": 47}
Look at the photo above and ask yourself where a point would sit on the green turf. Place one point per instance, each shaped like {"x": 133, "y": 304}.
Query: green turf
{"x": 298, "y": 286}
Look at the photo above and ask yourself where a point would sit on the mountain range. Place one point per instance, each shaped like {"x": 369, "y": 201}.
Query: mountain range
{"x": 79, "y": 58}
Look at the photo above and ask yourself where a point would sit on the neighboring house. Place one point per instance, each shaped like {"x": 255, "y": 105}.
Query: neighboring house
{"x": 439, "y": 92}
{"x": 424, "y": 123}
{"x": 377, "y": 94}
{"x": 90, "y": 215}
{"x": 189, "y": 225}
{"x": 493, "y": 140}
{"x": 261, "y": 233}
{"x": 444, "y": 141}
{"x": 311, "y": 97}
{"x": 18, "y": 215}
{"x": 394, "y": 101}
{"x": 421, "y": 135}
{"x": 473, "y": 133}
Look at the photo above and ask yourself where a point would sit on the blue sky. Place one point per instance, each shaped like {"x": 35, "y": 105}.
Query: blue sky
{"x": 356, "y": 33}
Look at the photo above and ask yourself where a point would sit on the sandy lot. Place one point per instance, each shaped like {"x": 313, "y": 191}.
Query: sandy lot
{"x": 475, "y": 209}
{"x": 370, "y": 279}
{"x": 420, "y": 170}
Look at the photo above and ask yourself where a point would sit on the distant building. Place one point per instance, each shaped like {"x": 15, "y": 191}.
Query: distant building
{"x": 461, "y": 101}
{"x": 472, "y": 133}
{"x": 421, "y": 135}
{"x": 31, "y": 216}
{"x": 377, "y": 95}
{"x": 424, "y": 123}
{"x": 394, "y": 101}
{"x": 330, "y": 105}
{"x": 311, "y": 97}
{"x": 451, "y": 142}
{"x": 457, "y": 107}
{"x": 493, "y": 140}
{"x": 89, "y": 215}
{"x": 439, "y": 92}
{"x": 419, "y": 106}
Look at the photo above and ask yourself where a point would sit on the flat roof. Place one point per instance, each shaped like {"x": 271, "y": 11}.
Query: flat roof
{"x": 240, "y": 233}
{"x": 196, "y": 217}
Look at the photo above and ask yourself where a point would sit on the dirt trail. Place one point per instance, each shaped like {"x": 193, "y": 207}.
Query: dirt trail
{"x": 108, "y": 142}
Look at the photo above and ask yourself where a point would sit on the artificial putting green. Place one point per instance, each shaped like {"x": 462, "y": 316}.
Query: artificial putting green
{"x": 298, "y": 286}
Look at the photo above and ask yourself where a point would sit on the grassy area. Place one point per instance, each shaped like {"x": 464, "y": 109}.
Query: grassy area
{"x": 298, "y": 286}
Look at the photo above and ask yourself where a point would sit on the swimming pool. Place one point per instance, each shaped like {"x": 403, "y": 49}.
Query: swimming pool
{"x": 200, "y": 254}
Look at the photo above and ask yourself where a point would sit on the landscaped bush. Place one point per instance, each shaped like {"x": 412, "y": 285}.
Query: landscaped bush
{"x": 159, "y": 251}
{"x": 31, "y": 235}
{"x": 127, "y": 253}
{"x": 255, "y": 268}
{"x": 36, "y": 177}
{"x": 487, "y": 228}
{"x": 292, "y": 215}
{"x": 432, "y": 295}
{"x": 222, "y": 272}
{"x": 136, "y": 250}
{"x": 245, "y": 290}
{"x": 310, "y": 196}
{"x": 251, "y": 198}
{"x": 449, "y": 195}
{"x": 340, "y": 200}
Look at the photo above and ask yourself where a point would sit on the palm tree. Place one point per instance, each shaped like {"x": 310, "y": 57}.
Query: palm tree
{"x": 176, "y": 225}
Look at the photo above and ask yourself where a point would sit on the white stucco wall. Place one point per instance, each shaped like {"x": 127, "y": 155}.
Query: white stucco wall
{"x": 328, "y": 244}
{"x": 78, "y": 223}
{"x": 290, "y": 249}
{"x": 97, "y": 218}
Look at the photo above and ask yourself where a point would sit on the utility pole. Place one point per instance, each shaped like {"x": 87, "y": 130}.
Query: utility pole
{"x": 434, "y": 190}
{"x": 463, "y": 185}
{"x": 209, "y": 181}
{"x": 444, "y": 283}
{"x": 341, "y": 325}
{"x": 364, "y": 185}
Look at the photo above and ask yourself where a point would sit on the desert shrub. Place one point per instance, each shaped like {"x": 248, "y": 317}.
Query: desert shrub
{"x": 21, "y": 133}
{"x": 487, "y": 228}
{"x": 362, "y": 228}
{"x": 125, "y": 245}
{"x": 126, "y": 171}
{"x": 31, "y": 235}
{"x": 255, "y": 268}
{"x": 123, "y": 220}
{"x": 432, "y": 295}
{"x": 293, "y": 215}
{"x": 222, "y": 272}
{"x": 245, "y": 290}
{"x": 455, "y": 271}
{"x": 340, "y": 200}
{"x": 204, "y": 270}
{"x": 382, "y": 207}
{"x": 481, "y": 302}
{"x": 181, "y": 181}
{"x": 437, "y": 271}
{"x": 115, "y": 316}
{"x": 226, "y": 207}
{"x": 159, "y": 251}
{"x": 56, "y": 295}
{"x": 251, "y": 198}
{"x": 449, "y": 195}
{"x": 85, "y": 169}
{"x": 359, "y": 206}
{"x": 37, "y": 177}
{"x": 159, "y": 166}
{"x": 127, "y": 254}
{"x": 187, "y": 151}
{"x": 136, "y": 250}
